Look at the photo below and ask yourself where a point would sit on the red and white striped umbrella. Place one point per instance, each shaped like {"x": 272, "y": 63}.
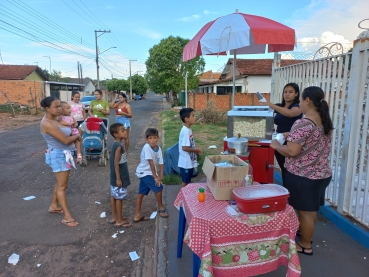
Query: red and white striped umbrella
{"x": 241, "y": 34}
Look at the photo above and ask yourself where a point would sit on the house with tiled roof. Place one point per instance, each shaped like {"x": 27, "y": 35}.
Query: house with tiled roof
{"x": 22, "y": 72}
{"x": 89, "y": 84}
{"x": 252, "y": 75}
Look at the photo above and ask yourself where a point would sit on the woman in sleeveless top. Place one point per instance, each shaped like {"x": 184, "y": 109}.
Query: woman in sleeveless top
{"x": 286, "y": 113}
{"x": 58, "y": 156}
{"x": 123, "y": 113}
{"x": 308, "y": 171}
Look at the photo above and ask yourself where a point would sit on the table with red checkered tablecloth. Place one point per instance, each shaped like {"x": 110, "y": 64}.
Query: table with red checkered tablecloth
{"x": 241, "y": 245}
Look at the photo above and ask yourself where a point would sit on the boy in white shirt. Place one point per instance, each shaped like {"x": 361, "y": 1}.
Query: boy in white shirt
{"x": 151, "y": 156}
{"x": 187, "y": 160}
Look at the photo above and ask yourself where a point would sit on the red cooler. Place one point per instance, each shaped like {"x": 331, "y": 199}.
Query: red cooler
{"x": 258, "y": 199}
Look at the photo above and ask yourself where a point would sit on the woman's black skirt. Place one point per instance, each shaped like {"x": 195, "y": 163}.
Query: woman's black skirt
{"x": 306, "y": 194}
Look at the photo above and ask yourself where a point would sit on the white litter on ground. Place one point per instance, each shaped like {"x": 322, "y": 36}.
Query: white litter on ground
{"x": 13, "y": 259}
{"x": 38, "y": 265}
{"x": 103, "y": 214}
{"x": 121, "y": 232}
{"x": 133, "y": 256}
{"x": 212, "y": 147}
{"x": 153, "y": 215}
{"x": 29, "y": 197}
{"x": 114, "y": 236}
{"x": 97, "y": 202}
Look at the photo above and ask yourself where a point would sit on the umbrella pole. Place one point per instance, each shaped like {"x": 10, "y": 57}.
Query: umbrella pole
{"x": 234, "y": 78}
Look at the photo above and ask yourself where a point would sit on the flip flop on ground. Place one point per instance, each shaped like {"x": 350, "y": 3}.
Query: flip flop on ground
{"x": 163, "y": 213}
{"x": 124, "y": 225}
{"x": 71, "y": 223}
{"x": 303, "y": 250}
{"x": 113, "y": 221}
{"x": 143, "y": 218}
{"x": 58, "y": 211}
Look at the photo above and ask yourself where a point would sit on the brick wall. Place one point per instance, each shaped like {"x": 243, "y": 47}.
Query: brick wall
{"x": 18, "y": 91}
{"x": 198, "y": 101}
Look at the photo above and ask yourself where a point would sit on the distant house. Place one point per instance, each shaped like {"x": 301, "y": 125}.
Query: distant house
{"x": 89, "y": 84}
{"x": 22, "y": 72}
{"x": 22, "y": 84}
{"x": 252, "y": 75}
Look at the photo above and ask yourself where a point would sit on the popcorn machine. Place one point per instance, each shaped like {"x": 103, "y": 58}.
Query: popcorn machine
{"x": 255, "y": 123}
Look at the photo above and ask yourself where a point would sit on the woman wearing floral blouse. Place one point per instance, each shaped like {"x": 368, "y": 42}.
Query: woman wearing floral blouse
{"x": 308, "y": 172}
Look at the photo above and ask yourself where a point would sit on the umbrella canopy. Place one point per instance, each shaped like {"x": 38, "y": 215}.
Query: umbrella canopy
{"x": 242, "y": 34}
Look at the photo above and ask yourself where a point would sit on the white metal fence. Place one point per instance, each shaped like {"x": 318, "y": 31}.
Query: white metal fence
{"x": 344, "y": 79}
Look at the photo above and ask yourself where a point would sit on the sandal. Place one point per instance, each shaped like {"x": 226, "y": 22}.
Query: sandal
{"x": 303, "y": 250}
{"x": 71, "y": 223}
{"x": 124, "y": 225}
{"x": 143, "y": 218}
{"x": 163, "y": 212}
{"x": 79, "y": 158}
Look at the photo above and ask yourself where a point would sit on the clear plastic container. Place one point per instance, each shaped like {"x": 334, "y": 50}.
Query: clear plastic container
{"x": 250, "y": 174}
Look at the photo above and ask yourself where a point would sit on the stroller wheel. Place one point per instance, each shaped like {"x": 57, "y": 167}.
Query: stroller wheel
{"x": 84, "y": 162}
{"x": 100, "y": 161}
{"x": 107, "y": 154}
{"x": 103, "y": 162}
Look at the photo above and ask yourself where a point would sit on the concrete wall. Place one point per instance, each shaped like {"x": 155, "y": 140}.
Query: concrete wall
{"x": 258, "y": 84}
{"x": 19, "y": 91}
{"x": 198, "y": 101}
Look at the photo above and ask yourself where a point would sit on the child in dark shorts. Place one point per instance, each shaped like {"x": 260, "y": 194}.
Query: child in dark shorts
{"x": 151, "y": 157}
{"x": 188, "y": 152}
{"x": 119, "y": 176}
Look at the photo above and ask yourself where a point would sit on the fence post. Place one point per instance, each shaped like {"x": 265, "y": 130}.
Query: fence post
{"x": 352, "y": 124}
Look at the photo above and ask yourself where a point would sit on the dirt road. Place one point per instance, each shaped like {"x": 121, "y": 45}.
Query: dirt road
{"x": 89, "y": 249}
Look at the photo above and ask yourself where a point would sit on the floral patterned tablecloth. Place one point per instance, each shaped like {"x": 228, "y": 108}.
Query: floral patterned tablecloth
{"x": 238, "y": 246}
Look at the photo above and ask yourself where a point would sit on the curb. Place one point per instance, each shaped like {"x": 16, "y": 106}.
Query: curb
{"x": 355, "y": 232}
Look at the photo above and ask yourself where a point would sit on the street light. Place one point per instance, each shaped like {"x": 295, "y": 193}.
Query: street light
{"x": 49, "y": 61}
{"x": 130, "y": 79}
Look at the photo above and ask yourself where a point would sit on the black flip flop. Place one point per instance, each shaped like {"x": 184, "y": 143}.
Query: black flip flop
{"x": 303, "y": 250}
{"x": 163, "y": 211}
{"x": 143, "y": 218}
{"x": 124, "y": 225}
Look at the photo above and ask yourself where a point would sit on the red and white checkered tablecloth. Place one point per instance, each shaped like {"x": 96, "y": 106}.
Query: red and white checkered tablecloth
{"x": 243, "y": 245}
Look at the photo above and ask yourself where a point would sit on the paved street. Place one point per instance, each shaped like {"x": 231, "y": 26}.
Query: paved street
{"x": 38, "y": 236}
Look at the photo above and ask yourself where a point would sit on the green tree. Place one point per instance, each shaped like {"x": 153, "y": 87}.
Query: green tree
{"x": 166, "y": 71}
{"x": 117, "y": 85}
{"x": 139, "y": 84}
{"x": 55, "y": 76}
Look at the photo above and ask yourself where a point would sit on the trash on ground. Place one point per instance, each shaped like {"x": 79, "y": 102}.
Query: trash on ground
{"x": 103, "y": 214}
{"x": 133, "y": 256}
{"x": 114, "y": 236}
{"x": 121, "y": 231}
{"x": 153, "y": 215}
{"x": 38, "y": 265}
{"x": 29, "y": 197}
{"x": 212, "y": 147}
{"x": 13, "y": 259}
{"x": 97, "y": 202}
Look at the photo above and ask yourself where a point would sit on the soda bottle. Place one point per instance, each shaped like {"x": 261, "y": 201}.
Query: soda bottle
{"x": 250, "y": 176}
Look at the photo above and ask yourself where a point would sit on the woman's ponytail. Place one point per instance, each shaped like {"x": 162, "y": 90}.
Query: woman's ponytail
{"x": 316, "y": 95}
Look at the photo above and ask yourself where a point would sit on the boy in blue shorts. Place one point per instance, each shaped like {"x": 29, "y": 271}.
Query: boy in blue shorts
{"x": 188, "y": 152}
{"x": 150, "y": 158}
{"x": 119, "y": 176}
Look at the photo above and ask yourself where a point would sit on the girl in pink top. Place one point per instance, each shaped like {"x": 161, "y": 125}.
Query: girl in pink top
{"x": 68, "y": 120}
{"x": 308, "y": 172}
{"x": 77, "y": 107}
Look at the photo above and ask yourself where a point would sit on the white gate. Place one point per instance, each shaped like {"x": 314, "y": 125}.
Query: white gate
{"x": 344, "y": 79}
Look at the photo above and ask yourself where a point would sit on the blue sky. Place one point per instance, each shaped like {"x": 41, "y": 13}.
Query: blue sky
{"x": 136, "y": 26}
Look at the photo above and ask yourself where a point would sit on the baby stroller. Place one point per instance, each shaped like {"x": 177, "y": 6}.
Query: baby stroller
{"x": 94, "y": 140}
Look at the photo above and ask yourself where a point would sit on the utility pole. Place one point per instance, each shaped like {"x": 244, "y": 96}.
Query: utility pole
{"x": 2, "y": 58}
{"x": 97, "y": 54}
{"x": 79, "y": 76}
{"x": 186, "y": 90}
{"x": 130, "y": 79}
{"x": 80, "y": 69}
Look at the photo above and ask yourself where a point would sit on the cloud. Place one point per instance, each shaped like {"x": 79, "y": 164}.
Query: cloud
{"x": 109, "y": 7}
{"x": 206, "y": 12}
{"x": 149, "y": 33}
{"x": 314, "y": 43}
{"x": 193, "y": 17}
{"x": 324, "y": 21}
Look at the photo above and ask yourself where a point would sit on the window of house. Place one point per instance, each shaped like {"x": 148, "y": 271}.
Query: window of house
{"x": 224, "y": 90}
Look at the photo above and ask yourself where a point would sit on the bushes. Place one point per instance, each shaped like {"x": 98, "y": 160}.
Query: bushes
{"x": 213, "y": 115}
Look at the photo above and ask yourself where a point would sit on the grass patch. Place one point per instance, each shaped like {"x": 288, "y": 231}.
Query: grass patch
{"x": 172, "y": 179}
{"x": 205, "y": 134}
